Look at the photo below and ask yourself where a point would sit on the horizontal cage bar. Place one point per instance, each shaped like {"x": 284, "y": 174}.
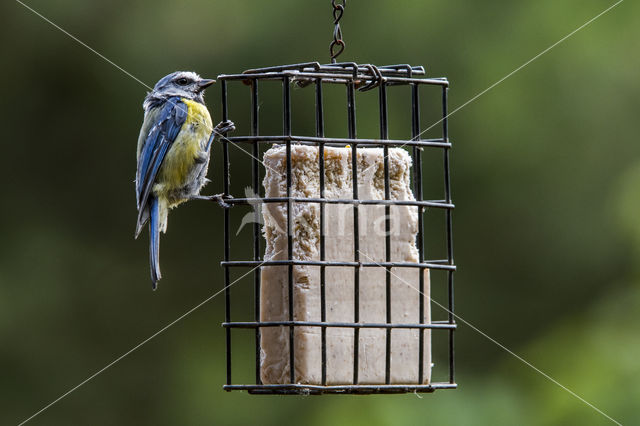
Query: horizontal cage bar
{"x": 259, "y": 324}
{"x": 253, "y": 201}
{"x": 310, "y": 140}
{"x": 249, "y": 263}
{"x": 332, "y": 78}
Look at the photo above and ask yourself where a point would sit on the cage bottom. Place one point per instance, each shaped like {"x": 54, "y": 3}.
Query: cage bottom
{"x": 299, "y": 389}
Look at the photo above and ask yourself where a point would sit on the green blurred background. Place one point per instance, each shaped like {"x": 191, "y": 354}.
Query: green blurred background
{"x": 546, "y": 171}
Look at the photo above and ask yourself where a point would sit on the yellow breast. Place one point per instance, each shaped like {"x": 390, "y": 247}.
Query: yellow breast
{"x": 189, "y": 145}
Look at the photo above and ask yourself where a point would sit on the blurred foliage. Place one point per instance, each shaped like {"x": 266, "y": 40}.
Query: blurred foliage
{"x": 546, "y": 171}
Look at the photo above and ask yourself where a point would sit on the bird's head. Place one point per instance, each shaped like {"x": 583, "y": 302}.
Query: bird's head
{"x": 186, "y": 84}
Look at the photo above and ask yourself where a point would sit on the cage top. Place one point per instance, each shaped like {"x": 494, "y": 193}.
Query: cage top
{"x": 367, "y": 75}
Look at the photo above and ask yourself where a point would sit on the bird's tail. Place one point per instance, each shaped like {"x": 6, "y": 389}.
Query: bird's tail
{"x": 154, "y": 241}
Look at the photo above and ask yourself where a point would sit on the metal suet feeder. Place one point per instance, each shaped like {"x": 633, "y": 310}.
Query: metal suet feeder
{"x": 324, "y": 333}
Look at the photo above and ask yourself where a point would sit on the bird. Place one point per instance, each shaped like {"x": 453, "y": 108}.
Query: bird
{"x": 173, "y": 153}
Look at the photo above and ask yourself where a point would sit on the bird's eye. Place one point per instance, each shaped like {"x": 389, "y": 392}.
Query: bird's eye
{"x": 182, "y": 81}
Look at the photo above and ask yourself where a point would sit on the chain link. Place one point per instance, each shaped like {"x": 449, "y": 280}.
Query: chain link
{"x": 337, "y": 45}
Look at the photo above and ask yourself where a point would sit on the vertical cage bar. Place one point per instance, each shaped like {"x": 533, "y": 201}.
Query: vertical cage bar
{"x": 447, "y": 194}
{"x": 417, "y": 189}
{"x": 323, "y": 300}
{"x": 384, "y": 134}
{"x": 256, "y": 218}
{"x": 286, "y": 130}
{"x": 351, "y": 121}
{"x": 227, "y": 250}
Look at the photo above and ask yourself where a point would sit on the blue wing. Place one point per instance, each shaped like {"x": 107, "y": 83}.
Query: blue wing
{"x": 162, "y": 133}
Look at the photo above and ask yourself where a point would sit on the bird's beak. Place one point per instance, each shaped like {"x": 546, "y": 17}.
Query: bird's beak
{"x": 204, "y": 83}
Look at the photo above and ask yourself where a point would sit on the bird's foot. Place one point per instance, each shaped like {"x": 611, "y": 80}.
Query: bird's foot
{"x": 217, "y": 197}
{"x": 224, "y": 127}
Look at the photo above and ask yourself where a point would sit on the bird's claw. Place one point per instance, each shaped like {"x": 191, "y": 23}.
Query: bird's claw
{"x": 219, "y": 198}
{"x": 224, "y": 127}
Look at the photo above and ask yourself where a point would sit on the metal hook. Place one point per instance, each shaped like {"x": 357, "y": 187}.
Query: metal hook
{"x": 375, "y": 82}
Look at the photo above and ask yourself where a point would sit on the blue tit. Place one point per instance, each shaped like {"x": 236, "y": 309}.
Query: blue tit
{"x": 173, "y": 153}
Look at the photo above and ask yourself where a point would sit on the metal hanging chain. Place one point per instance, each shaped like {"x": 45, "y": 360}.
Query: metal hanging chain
{"x": 337, "y": 43}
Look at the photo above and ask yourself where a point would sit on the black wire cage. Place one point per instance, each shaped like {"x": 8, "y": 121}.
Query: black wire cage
{"x": 354, "y": 78}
